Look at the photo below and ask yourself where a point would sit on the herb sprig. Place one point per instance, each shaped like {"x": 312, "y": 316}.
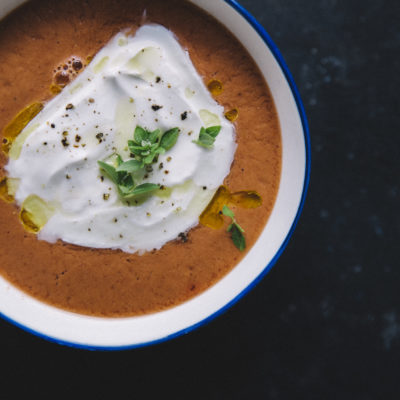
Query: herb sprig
{"x": 207, "y": 136}
{"x": 145, "y": 149}
{"x": 146, "y": 145}
{"x": 237, "y": 232}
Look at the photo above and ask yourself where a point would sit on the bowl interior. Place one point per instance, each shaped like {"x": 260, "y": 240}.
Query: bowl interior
{"x": 116, "y": 333}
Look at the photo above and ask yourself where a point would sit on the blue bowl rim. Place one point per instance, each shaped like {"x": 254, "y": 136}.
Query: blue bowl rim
{"x": 275, "y": 51}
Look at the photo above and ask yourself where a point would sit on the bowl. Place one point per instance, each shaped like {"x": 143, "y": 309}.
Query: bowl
{"x": 122, "y": 333}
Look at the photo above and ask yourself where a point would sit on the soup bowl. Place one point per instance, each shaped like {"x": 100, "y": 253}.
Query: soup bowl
{"x": 122, "y": 333}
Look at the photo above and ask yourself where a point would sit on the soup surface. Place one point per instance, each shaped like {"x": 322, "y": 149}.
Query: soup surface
{"x": 35, "y": 42}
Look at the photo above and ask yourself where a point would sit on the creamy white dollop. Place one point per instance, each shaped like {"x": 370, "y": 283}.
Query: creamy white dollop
{"x": 146, "y": 80}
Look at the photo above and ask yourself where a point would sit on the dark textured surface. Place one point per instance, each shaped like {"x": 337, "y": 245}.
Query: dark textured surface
{"x": 325, "y": 323}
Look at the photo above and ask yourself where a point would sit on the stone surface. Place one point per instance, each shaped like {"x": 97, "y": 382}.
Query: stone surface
{"x": 325, "y": 323}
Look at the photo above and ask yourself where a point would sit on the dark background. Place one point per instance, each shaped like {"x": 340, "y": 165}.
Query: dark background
{"x": 325, "y": 323}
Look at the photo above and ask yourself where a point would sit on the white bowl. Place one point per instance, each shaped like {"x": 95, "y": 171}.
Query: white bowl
{"x": 119, "y": 333}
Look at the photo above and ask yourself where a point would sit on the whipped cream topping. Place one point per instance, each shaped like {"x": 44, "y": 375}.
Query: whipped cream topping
{"x": 146, "y": 80}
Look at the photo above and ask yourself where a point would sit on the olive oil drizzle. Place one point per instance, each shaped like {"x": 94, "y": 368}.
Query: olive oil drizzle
{"x": 4, "y": 191}
{"x": 212, "y": 216}
{"x": 15, "y": 127}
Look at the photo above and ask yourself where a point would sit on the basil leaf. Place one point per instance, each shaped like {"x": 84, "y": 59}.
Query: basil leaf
{"x": 130, "y": 166}
{"x": 228, "y": 212}
{"x": 213, "y": 131}
{"x": 109, "y": 170}
{"x": 144, "y": 189}
{"x": 140, "y": 135}
{"x": 169, "y": 138}
{"x": 237, "y": 236}
{"x": 153, "y": 137}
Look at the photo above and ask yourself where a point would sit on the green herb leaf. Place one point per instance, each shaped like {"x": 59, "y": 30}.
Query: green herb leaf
{"x": 109, "y": 170}
{"x": 119, "y": 160}
{"x": 134, "y": 149}
{"x": 130, "y": 166}
{"x": 144, "y": 189}
{"x": 146, "y": 144}
{"x": 235, "y": 229}
{"x": 149, "y": 159}
{"x": 127, "y": 183}
{"x": 145, "y": 149}
{"x": 154, "y": 136}
{"x": 207, "y": 136}
{"x": 169, "y": 138}
{"x": 228, "y": 212}
{"x": 160, "y": 150}
{"x": 213, "y": 131}
{"x": 140, "y": 135}
{"x": 237, "y": 236}
{"x": 205, "y": 140}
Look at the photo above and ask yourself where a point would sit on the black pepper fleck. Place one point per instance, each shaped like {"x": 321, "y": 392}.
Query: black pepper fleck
{"x": 155, "y": 107}
{"x": 184, "y": 116}
{"x": 99, "y": 137}
{"x": 183, "y": 236}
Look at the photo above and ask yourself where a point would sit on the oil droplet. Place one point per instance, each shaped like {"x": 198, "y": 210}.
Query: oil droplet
{"x": 35, "y": 213}
{"x": 232, "y": 115}
{"x": 215, "y": 87}
{"x": 14, "y": 128}
{"x": 55, "y": 89}
{"x": 246, "y": 199}
{"x": 212, "y": 215}
{"x": 4, "y": 192}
